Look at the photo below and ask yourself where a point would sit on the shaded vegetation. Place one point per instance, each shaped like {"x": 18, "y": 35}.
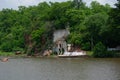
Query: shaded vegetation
{"x": 30, "y": 29}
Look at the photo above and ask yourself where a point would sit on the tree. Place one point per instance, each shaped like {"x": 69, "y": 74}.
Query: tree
{"x": 78, "y": 3}
{"x": 113, "y": 29}
{"x": 94, "y": 25}
{"x": 57, "y": 14}
{"x": 31, "y": 28}
{"x": 96, "y": 7}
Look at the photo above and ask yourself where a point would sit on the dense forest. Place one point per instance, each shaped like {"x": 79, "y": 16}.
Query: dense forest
{"x": 30, "y": 29}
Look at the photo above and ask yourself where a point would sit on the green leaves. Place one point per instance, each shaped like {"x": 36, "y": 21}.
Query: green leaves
{"x": 57, "y": 14}
{"x": 37, "y": 34}
{"x": 32, "y": 27}
{"x": 75, "y": 16}
{"x": 75, "y": 38}
{"x": 100, "y": 50}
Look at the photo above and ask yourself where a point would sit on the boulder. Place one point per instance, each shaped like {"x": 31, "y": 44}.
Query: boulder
{"x": 18, "y": 52}
{"x": 4, "y": 59}
{"x": 47, "y": 53}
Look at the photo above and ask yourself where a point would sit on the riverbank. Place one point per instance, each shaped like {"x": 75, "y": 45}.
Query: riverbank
{"x": 6, "y": 53}
{"x": 13, "y": 55}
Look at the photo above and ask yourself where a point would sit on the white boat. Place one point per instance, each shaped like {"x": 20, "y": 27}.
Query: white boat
{"x": 73, "y": 54}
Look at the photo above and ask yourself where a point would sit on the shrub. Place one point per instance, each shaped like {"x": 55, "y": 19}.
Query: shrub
{"x": 17, "y": 49}
{"x": 100, "y": 50}
{"x": 86, "y": 46}
{"x": 115, "y": 54}
{"x": 7, "y": 47}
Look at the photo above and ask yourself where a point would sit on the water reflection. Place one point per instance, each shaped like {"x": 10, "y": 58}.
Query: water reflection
{"x": 60, "y": 69}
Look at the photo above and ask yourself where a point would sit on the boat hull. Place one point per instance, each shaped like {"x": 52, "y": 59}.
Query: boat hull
{"x": 76, "y": 56}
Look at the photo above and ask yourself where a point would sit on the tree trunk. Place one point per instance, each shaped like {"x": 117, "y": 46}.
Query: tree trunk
{"x": 92, "y": 44}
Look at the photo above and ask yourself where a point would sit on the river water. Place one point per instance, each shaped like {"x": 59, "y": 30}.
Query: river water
{"x": 60, "y": 69}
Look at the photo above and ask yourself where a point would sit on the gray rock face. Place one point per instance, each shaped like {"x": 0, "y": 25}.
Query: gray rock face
{"x": 60, "y": 34}
{"x": 60, "y": 44}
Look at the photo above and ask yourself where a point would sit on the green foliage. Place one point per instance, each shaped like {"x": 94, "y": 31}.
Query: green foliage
{"x": 57, "y": 14}
{"x": 31, "y": 28}
{"x": 96, "y": 7}
{"x": 99, "y": 50}
{"x": 7, "y": 47}
{"x": 86, "y": 46}
{"x": 36, "y": 34}
{"x": 94, "y": 25}
{"x": 17, "y": 49}
{"x": 75, "y": 39}
{"x": 113, "y": 26}
{"x": 6, "y": 53}
{"x": 75, "y": 16}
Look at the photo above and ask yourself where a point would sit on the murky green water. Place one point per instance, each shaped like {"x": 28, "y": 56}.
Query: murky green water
{"x": 60, "y": 69}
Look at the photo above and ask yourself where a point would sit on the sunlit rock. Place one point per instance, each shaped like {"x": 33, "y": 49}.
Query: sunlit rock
{"x": 4, "y": 59}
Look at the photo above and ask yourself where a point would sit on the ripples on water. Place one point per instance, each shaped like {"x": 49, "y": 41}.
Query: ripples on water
{"x": 60, "y": 69}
